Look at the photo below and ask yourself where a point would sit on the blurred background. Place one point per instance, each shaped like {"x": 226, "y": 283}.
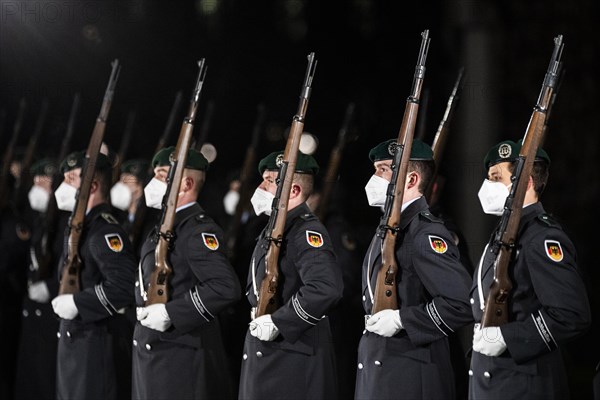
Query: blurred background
{"x": 366, "y": 50}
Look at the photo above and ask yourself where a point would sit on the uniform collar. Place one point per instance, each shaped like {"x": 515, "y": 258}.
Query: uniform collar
{"x": 412, "y": 211}
{"x": 97, "y": 210}
{"x": 187, "y": 212}
{"x": 530, "y": 212}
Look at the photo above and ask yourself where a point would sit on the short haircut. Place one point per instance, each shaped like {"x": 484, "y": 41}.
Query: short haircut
{"x": 104, "y": 178}
{"x": 539, "y": 174}
{"x": 198, "y": 176}
{"x": 306, "y": 182}
{"x": 425, "y": 170}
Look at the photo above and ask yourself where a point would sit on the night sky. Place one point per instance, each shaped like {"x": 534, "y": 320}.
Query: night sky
{"x": 366, "y": 50}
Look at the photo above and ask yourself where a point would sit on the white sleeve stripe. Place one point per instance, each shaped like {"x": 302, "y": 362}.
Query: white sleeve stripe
{"x": 540, "y": 332}
{"x": 99, "y": 289}
{"x": 301, "y": 313}
{"x": 433, "y": 319}
{"x": 547, "y": 329}
{"x": 440, "y": 317}
{"x": 199, "y": 305}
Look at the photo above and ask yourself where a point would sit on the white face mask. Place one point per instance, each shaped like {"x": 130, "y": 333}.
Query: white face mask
{"x": 154, "y": 192}
{"x": 376, "y": 190}
{"x": 492, "y": 196}
{"x": 38, "y": 198}
{"x": 65, "y": 197}
{"x": 230, "y": 201}
{"x": 120, "y": 196}
{"x": 262, "y": 201}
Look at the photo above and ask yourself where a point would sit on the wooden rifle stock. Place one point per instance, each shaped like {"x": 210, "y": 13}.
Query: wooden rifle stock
{"x": 495, "y": 312}
{"x": 385, "y": 294}
{"x": 441, "y": 136}
{"x": 141, "y": 210}
{"x": 5, "y": 190}
{"x": 245, "y": 179}
{"x": 158, "y": 287}
{"x": 71, "y": 273}
{"x": 268, "y": 301}
{"x": 334, "y": 164}
{"x": 25, "y": 181}
{"x": 124, "y": 146}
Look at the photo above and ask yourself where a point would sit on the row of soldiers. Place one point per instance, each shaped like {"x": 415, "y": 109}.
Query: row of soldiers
{"x": 103, "y": 342}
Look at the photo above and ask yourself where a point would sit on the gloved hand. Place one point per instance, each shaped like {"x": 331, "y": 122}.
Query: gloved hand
{"x": 38, "y": 291}
{"x": 385, "y": 323}
{"x": 154, "y": 316}
{"x": 488, "y": 341}
{"x": 263, "y": 328}
{"x": 64, "y": 306}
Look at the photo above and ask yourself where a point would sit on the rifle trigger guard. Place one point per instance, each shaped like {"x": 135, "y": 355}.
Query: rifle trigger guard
{"x": 390, "y": 228}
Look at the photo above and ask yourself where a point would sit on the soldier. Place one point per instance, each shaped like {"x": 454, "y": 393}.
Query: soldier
{"x": 405, "y": 352}
{"x": 85, "y": 365}
{"x": 289, "y": 354}
{"x": 547, "y": 305}
{"x": 36, "y": 362}
{"x": 178, "y": 351}
{"x": 127, "y": 195}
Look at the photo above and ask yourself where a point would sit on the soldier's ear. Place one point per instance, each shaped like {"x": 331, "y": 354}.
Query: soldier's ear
{"x": 296, "y": 190}
{"x": 412, "y": 179}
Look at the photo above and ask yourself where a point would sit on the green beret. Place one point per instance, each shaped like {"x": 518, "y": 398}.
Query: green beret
{"x": 305, "y": 164}
{"x": 137, "y": 167}
{"x": 75, "y": 160}
{"x": 508, "y": 151}
{"x": 195, "y": 159}
{"x": 43, "y": 167}
{"x": 418, "y": 151}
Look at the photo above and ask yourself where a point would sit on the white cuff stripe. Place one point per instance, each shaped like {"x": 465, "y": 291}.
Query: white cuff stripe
{"x": 427, "y": 307}
{"x": 440, "y": 317}
{"x": 302, "y": 313}
{"x": 200, "y": 307}
{"x": 99, "y": 289}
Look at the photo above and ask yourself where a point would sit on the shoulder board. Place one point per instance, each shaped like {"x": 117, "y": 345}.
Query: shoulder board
{"x": 549, "y": 221}
{"x": 428, "y": 216}
{"x": 109, "y": 218}
{"x": 308, "y": 216}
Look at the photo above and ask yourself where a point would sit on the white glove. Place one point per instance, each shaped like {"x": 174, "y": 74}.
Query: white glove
{"x": 38, "y": 291}
{"x": 64, "y": 306}
{"x": 263, "y": 328}
{"x": 385, "y": 323}
{"x": 488, "y": 341}
{"x": 154, "y": 317}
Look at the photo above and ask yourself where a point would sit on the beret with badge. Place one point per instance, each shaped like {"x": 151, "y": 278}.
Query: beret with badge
{"x": 43, "y": 167}
{"x": 137, "y": 167}
{"x": 305, "y": 164}
{"x": 195, "y": 159}
{"x": 508, "y": 151}
{"x": 385, "y": 151}
{"x": 75, "y": 160}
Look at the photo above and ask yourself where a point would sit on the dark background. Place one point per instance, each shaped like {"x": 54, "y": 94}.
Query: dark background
{"x": 366, "y": 50}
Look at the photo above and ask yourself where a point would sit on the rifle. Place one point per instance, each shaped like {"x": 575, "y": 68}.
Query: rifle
{"x": 25, "y": 180}
{"x": 439, "y": 141}
{"x": 141, "y": 210}
{"x": 71, "y": 273}
{"x": 245, "y": 177}
{"x": 559, "y": 80}
{"x": 205, "y": 127}
{"x": 9, "y": 154}
{"x": 158, "y": 290}
{"x": 125, "y": 140}
{"x": 44, "y": 254}
{"x": 385, "y": 296}
{"x": 267, "y": 299}
{"x": 496, "y": 306}
{"x": 334, "y": 164}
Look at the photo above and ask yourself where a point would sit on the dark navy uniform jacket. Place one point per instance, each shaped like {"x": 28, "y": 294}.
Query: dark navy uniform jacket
{"x": 300, "y": 362}
{"x": 432, "y": 288}
{"x": 188, "y": 360}
{"x": 85, "y": 368}
{"x": 547, "y": 306}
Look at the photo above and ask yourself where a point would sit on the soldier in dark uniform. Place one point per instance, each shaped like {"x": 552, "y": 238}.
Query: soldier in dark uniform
{"x": 85, "y": 365}
{"x": 178, "y": 351}
{"x": 15, "y": 235}
{"x": 289, "y": 354}
{"x": 404, "y": 353}
{"x": 547, "y": 305}
{"x": 36, "y": 362}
